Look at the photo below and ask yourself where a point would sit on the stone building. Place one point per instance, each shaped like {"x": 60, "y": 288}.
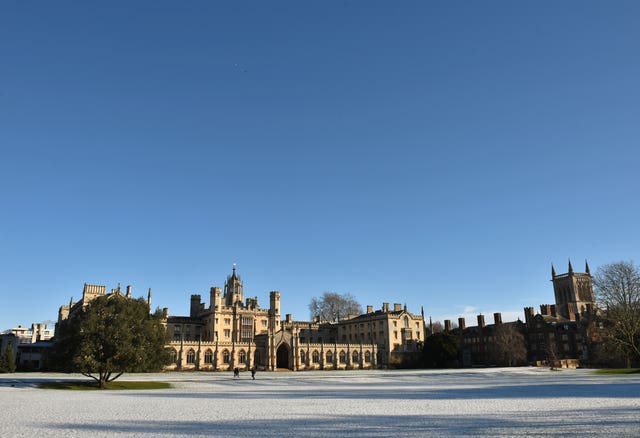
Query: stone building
{"x": 236, "y": 332}
{"x": 559, "y": 335}
{"x": 28, "y": 344}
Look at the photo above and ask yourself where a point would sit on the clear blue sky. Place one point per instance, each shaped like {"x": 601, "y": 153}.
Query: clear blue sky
{"x": 439, "y": 154}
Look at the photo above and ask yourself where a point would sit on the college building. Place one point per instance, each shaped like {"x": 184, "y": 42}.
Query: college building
{"x": 235, "y": 332}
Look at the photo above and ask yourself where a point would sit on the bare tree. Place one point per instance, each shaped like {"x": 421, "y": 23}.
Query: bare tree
{"x": 508, "y": 347}
{"x": 332, "y": 306}
{"x": 618, "y": 293}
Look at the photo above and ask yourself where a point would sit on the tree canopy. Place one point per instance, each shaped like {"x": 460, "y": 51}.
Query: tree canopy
{"x": 332, "y": 306}
{"x": 617, "y": 288}
{"x": 112, "y": 335}
{"x": 7, "y": 361}
{"x": 441, "y": 350}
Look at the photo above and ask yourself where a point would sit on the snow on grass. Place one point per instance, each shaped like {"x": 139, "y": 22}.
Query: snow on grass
{"x": 478, "y": 402}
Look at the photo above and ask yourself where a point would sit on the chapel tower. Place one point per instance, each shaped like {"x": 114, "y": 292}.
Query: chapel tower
{"x": 573, "y": 292}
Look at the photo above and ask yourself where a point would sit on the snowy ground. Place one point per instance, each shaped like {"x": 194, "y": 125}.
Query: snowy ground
{"x": 483, "y": 402}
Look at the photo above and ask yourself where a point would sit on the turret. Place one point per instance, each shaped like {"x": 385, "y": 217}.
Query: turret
{"x": 195, "y": 305}
{"x": 233, "y": 289}
{"x": 274, "y": 309}
{"x": 215, "y": 298}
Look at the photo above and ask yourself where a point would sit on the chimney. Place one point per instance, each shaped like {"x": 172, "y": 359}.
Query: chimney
{"x": 447, "y": 325}
{"x": 369, "y": 309}
{"x": 129, "y": 291}
{"x": 397, "y": 307}
{"x": 385, "y": 307}
{"x": 481, "y": 321}
{"x": 461, "y": 323}
{"x": 497, "y": 318}
{"x": 553, "y": 310}
{"x": 528, "y": 314}
{"x": 544, "y": 310}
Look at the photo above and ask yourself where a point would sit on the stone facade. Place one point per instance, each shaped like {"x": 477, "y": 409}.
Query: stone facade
{"x": 236, "y": 333}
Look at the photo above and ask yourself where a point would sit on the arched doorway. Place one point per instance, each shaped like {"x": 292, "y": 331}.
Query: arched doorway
{"x": 282, "y": 357}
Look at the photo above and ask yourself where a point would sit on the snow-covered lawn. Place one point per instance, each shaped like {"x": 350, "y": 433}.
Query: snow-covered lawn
{"x": 479, "y": 402}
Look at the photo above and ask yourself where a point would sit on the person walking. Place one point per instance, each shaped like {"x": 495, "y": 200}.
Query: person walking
{"x": 236, "y": 373}
{"x": 253, "y": 373}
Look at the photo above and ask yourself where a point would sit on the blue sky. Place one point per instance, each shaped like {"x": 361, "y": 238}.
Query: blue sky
{"x": 438, "y": 154}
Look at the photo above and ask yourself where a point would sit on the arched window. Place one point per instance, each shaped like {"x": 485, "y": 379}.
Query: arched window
{"x": 191, "y": 356}
{"x": 208, "y": 356}
{"x": 406, "y": 322}
{"x": 367, "y": 356}
{"x": 225, "y": 356}
{"x": 355, "y": 357}
{"x": 329, "y": 356}
{"x": 242, "y": 357}
{"x": 343, "y": 357}
{"x": 315, "y": 357}
{"x": 302, "y": 356}
{"x": 173, "y": 355}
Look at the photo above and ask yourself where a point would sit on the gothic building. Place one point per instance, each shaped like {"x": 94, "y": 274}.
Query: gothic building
{"x": 560, "y": 334}
{"x": 236, "y": 332}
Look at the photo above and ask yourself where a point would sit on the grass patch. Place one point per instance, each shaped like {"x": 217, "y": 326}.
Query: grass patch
{"x": 618, "y": 371}
{"x": 89, "y": 385}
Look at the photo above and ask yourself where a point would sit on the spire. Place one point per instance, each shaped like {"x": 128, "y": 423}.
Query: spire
{"x": 553, "y": 272}
{"x": 234, "y": 270}
{"x": 149, "y": 298}
{"x": 586, "y": 267}
{"x": 570, "y": 267}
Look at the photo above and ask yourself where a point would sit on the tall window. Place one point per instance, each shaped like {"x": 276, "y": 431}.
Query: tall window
{"x": 316, "y": 357}
{"x": 246, "y": 328}
{"x": 242, "y": 357}
{"x": 208, "y": 356}
{"x": 191, "y": 356}
{"x": 329, "y": 356}
{"x": 225, "y": 356}
{"x": 173, "y": 355}
{"x": 355, "y": 356}
{"x": 343, "y": 357}
{"x": 302, "y": 356}
{"x": 367, "y": 356}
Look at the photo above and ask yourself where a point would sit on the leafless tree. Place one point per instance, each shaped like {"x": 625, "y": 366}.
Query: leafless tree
{"x": 617, "y": 288}
{"x": 332, "y": 306}
{"x": 508, "y": 347}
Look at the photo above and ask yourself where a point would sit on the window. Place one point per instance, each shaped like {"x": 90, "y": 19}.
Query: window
{"x": 227, "y": 333}
{"x": 395, "y": 335}
{"x": 315, "y": 356}
{"x": 264, "y": 323}
{"x": 367, "y": 356}
{"x": 343, "y": 357}
{"x": 395, "y": 323}
{"x": 406, "y": 322}
{"x": 329, "y": 356}
{"x": 355, "y": 357}
{"x": 191, "y": 356}
{"x": 208, "y": 356}
{"x": 302, "y": 356}
{"x": 227, "y": 321}
{"x": 247, "y": 328}
{"x": 242, "y": 357}
{"x": 173, "y": 356}
{"x": 225, "y": 356}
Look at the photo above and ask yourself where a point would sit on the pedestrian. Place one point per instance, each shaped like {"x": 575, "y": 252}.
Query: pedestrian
{"x": 253, "y": 373}
{"x": 236, "y": 373}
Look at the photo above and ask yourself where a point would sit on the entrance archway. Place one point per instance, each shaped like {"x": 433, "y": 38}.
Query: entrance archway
{"x": 282, "y": 357}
